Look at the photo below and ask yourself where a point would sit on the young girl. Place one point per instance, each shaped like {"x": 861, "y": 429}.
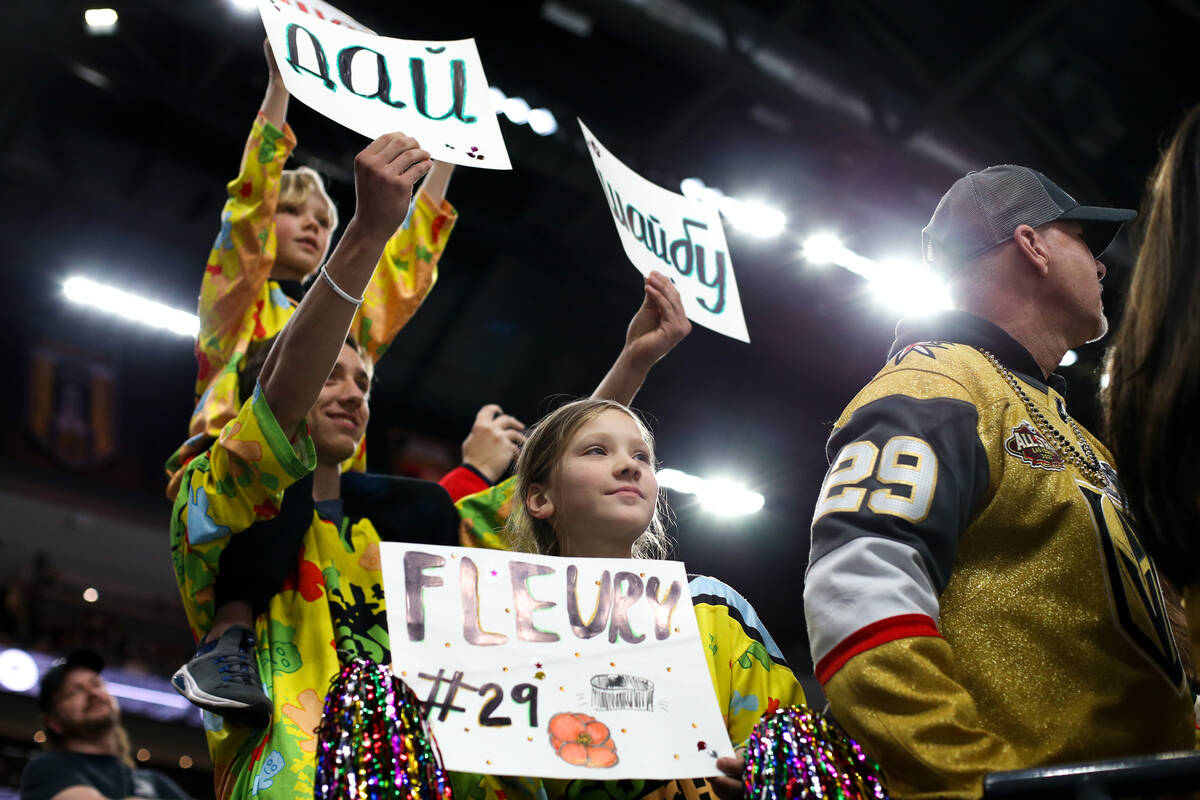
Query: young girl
{"x": 275, "y": 233}
{"x": 585, "y": 486}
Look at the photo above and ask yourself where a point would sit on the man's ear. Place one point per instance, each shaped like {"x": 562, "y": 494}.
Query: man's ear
{"x": 52, "y": 725}
{"x": 538, "y": 503}
{"x": 1033, "y": 249}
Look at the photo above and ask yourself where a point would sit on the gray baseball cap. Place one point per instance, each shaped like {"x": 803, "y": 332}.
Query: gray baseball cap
{"x": 982, "y": 209}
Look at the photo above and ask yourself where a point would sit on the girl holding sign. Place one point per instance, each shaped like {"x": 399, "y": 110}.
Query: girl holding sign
{"x": 585, "y": 486}
{"x": 275, "y": 233}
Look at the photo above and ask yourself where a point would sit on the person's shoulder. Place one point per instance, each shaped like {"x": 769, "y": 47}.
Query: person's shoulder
{"x": 927, "y": 370}
{"x": 51, "y": 771}
{"x": 715, "y": 598}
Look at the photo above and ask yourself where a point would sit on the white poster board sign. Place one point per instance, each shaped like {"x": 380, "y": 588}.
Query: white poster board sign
{"x": 435, "y": 92}
{"x": 326, "y": 11}
{"x": 554, "y": 667}
{"x": 663, "y": 231}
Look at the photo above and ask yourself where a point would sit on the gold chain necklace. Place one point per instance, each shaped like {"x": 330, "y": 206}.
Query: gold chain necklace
{"x": 1086, "y": 461}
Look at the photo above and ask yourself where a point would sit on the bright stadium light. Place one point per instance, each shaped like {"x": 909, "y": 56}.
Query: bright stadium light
{"x": 717, "y": 496}
{"x": 908, "y": 288}
{"x": 751, "y": 217}
{"x": 1069, "y": 358}
{"x": 498, "y": 98}
{"x": 691, "y": 187}
{"x": 516, "y": 109}
{"x": 100, "y": 21}
{"x": 148, "y": 312}
{"x": 245, "y": 6}
{"x": 729, "y": 499}
{"x": 18, "y": 670}
{"x": 542, "y": 122}
{"x": 827, "y": 248}
{"x": 823, "y": 248}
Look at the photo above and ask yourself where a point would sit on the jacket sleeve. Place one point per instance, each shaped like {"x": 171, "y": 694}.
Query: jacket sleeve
{"x": 750, "y": 676}
{"x": 907, "y": 472}
{"x": 484, "y": 515}
{"x": 242, "y": 255}
{"x": 404, "y": 275}
{"x": 240, "y": 480}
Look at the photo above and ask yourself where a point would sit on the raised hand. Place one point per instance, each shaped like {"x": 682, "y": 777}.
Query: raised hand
{"x": 272, "y": 64}
{"x": 659, "y": 324}
{"x": 493, "y": 442}
{"x": 384, "y": 175}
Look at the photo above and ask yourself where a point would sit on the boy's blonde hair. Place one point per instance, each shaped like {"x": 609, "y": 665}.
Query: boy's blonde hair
{"x": 295, "y": 187}
{"x": 538, "y": 462}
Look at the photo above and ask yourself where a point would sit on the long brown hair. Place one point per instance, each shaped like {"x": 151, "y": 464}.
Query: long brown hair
{"x": 539, "y": 459}
{"x": 1153, "y": 364}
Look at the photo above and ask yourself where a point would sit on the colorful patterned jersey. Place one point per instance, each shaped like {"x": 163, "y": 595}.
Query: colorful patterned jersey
{"x": 976, "y": 601}
{"x": 240, "y": 304}
{"x": 329, "y": 610}
{"x": 749, "y": 675}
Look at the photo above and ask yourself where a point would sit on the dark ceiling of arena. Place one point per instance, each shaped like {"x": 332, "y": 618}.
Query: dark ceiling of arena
{"x": 850, "y": 116}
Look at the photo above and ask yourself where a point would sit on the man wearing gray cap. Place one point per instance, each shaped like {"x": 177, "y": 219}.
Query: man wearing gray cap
{"x": 85, "y": 758}
{"x": 976, "y": 596}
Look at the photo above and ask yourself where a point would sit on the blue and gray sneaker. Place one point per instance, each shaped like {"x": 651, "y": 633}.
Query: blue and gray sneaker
{"x": 223, "y": 678}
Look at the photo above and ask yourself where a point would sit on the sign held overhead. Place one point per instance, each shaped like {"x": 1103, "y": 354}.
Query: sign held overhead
{"x": 435, "y": 92}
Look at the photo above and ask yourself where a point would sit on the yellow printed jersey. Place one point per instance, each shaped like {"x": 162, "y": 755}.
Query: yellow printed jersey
{"x": 975, "y": 600}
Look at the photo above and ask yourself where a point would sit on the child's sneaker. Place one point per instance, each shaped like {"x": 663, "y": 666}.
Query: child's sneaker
{"x": 223, "y": 678}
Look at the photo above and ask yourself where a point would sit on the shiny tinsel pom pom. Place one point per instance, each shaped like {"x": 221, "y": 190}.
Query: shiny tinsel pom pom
{"x": 797, "y": 754}
{"x": 374, "y": 743}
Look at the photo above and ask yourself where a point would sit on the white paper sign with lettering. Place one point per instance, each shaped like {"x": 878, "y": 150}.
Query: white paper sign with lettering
{"x": 435, "y": 92}
{"x": 328, "y": 12}
{"x": 554, "y": 667}
{"x": 663, "y": 231}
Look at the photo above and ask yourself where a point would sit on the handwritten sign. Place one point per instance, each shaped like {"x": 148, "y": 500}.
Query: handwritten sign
{"x": 435, "y": 92}
{"x": 554, "y": 667}
{"x": 666, "y": 232}
{"x": 326, "y": 11}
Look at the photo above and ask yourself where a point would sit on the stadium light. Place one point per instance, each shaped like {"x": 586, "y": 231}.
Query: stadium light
{"x": 752, "y": 217}
{"x": 717, "y": 496}
{"x": 100, "y": 21}
{"x": 827, "y": 248}
{"x": 18, "y": 671}
{"x": 516, "y": 109}
{"x": 1069, "y": 358}
{"x": 542, "y": 122}
{"x": 244, "y": 6}
{"x": 908, "y": 288}
{"x": 130, "y": 306}
{"x": 498, "y": 98}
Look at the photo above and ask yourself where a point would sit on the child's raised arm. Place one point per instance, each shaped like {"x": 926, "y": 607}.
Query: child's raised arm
{"x": 275, "y": 101}
{"x": 655, "y": 329}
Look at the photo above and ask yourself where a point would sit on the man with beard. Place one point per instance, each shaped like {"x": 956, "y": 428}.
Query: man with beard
{"x": 87, "y": 756}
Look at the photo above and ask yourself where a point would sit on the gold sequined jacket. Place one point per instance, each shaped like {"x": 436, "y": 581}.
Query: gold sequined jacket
{"x": 976, "y": 597}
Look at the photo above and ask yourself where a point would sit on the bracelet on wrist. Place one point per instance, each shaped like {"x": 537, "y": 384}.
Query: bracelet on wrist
{"x": 342, "y": 293}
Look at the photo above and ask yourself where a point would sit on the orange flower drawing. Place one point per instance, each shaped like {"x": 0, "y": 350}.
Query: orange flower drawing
{"x": 582, "y": 740}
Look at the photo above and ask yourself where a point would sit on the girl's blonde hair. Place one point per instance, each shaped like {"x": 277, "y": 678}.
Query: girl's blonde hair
{"x": 539, "y": 460}
{"x": 295, "y": 187}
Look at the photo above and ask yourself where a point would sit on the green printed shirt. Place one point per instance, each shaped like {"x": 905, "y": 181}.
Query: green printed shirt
{"x": 332, "y": 611}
